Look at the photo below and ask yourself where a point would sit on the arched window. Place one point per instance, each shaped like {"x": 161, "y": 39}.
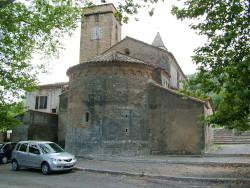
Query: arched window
{"x": 126, "y": 51}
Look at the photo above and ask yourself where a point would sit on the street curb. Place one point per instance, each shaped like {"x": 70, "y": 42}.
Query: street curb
{"x": 171, "y": 162}
{"x": 225, "y": 155}
{"x": 197, "y": 179}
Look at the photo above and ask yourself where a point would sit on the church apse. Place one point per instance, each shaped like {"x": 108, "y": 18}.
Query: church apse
{"x": 108, "y": 108}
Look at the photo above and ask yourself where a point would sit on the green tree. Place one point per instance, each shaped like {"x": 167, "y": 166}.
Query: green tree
{"x": 36, "y": 26}
{"x": 224, "y": 60}
{"x": 8, "y": 111}
{"x": 28, "y": 27}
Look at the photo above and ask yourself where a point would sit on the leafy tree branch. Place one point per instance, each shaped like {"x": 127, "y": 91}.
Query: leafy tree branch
{"x": 224, "y": 60}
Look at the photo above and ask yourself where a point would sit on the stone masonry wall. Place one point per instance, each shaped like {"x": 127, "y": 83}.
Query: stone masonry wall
{"x": 108, "y": 109}
{"x": 62, "y": 118}
{"x": 150, "y": 54}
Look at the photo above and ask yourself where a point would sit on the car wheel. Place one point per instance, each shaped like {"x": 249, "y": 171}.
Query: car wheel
{"x": 45, "y": 168}
{"x": 15, "y": 165}
{"x": 4, "y": 160}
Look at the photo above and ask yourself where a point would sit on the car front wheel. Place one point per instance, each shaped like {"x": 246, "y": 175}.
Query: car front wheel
{"x": 15, "y": 165}
{"x": 45, "y": 168}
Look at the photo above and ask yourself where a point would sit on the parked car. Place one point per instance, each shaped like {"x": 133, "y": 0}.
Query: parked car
{"x": 44, "y": 155}
{"x": 5, "y": 151}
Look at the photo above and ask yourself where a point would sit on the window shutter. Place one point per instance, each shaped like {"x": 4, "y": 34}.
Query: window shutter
{"x": 45, "y": 102}
{"x": 36, "y": 105}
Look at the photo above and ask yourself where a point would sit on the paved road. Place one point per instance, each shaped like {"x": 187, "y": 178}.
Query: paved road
{"x": 27, "y": 178}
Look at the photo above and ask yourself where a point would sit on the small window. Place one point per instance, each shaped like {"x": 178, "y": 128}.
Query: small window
{"x": 12, "y": 146}
{"x": 23, "y": 147}
{"x": 87, "y": 117}
{"x": 41, "y": 102}
{"x": 116, "y": 33}
{"x": 33, "y": 149}
{"x": 54, "y": 110}
{"x": 7, "y": 148}
{"x": 18, "y": 145}
{"x": 126, "y": 51}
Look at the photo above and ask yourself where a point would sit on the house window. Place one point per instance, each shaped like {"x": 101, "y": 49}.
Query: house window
{"x": 41, "y": 102}
{"x": 53, "y": 110}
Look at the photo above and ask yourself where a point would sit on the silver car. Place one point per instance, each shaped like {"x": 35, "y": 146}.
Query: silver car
{"x": 44, "y": 155}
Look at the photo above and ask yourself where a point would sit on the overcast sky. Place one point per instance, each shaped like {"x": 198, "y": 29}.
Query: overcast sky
{"x": 178, "y": 38}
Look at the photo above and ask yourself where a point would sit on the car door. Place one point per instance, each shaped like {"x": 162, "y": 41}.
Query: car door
{"x": 11, "y": 147}
{"x": 7, "y": 150}
{"x": 21, "y": 155}
{"x": 33, "y": 156}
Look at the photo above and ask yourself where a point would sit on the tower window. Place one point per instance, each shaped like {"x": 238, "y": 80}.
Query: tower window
{"x": 97, "y": 18}
{"x": 116, "y": 33}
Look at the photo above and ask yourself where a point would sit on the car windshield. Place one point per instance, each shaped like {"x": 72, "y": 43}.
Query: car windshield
{"x": 50, "y": 148}
{"x": 1, "y": 145}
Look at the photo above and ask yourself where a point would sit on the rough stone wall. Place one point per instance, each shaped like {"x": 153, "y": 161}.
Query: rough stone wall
{"x": 209, "y": 133}
{"x": 62, "y": 118}
{"x": 148, "y": 53}
{"x": 52, "y": 102}
{"x": 110, "y": 28}
{"x": 36, "y": 126}
{"x": 114, "y": 98}
{"x": 173, "y": 123}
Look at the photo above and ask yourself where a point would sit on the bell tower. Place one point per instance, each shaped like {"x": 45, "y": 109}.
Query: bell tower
{"x": 100, "y": 31}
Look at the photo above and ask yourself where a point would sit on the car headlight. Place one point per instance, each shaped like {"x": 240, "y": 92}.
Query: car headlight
{"x": 56, "y": 160}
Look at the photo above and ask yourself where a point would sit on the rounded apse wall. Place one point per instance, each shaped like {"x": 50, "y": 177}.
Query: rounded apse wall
{"x": 108, "y": 108}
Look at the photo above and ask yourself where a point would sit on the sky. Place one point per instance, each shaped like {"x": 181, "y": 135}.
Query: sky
{"x": 178, "y": 38}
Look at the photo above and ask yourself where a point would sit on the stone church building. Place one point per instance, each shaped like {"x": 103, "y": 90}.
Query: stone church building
{"x": 122, "y": 97}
